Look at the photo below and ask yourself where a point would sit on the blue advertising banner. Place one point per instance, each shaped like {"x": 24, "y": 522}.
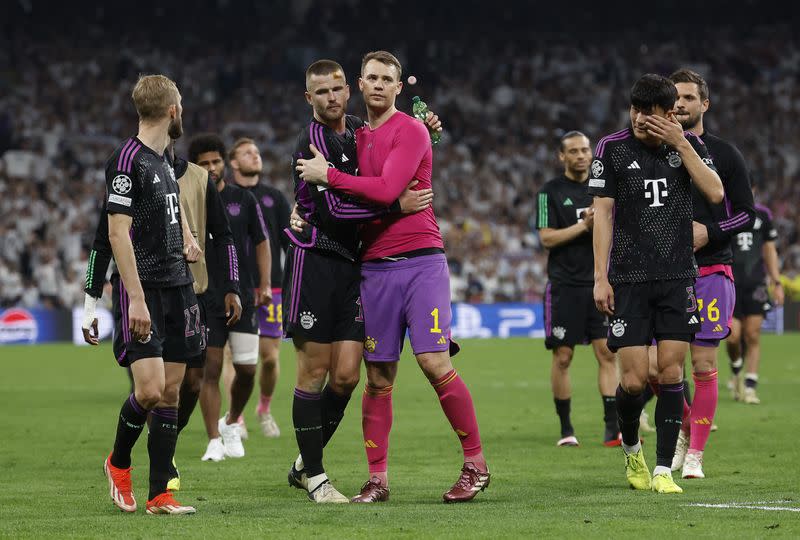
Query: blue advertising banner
{"x": 29, "y": 326}
{"x": 497, "y": 320}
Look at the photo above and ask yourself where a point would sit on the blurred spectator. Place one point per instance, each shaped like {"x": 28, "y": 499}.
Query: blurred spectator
{"x": 504, "y": 100}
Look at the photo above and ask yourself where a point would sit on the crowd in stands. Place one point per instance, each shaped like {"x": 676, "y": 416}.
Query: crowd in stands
{"x": 65, "y": 105}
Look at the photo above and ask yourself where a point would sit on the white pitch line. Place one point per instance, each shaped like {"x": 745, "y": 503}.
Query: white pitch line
{"x": 746, "y": 506}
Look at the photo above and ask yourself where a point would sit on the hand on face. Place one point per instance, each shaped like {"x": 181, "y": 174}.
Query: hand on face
{"x": 668, "y": 129}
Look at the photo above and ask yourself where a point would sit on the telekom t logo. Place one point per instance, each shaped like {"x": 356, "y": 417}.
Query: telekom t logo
{"x": 172, "y": 207}
{"x": 655, "y": 189}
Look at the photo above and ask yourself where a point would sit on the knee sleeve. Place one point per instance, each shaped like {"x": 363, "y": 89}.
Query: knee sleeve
{"x": 244, "y": 348}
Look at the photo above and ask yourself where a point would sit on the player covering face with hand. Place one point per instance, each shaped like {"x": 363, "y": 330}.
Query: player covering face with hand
{"x": 642, "y": 178}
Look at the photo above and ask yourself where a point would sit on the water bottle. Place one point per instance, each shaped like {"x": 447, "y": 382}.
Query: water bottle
{"x": 420, "y": 111}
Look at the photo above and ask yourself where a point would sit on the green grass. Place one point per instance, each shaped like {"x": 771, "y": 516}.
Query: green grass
{"x": 59, "y": 405}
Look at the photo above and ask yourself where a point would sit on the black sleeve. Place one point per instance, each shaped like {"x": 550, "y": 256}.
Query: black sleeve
{"x": 283, "y": 213}
{"x": 219, "y": 228}
{"x": 739, "y": 196}
{"x": 602, "y": 178}
{"x": 771, "y": 232}
{"x": 99, "y": 258}
{"x": 547, "y": 213}
{"x": 256, "y": 226}
{"x": 123, "y": 185}
{"x": 335, "y": 206}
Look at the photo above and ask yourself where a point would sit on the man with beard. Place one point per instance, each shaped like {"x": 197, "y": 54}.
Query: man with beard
{"x": 156, "y": 315}
{"x": 714, "y": 226}
{"x": 564, "y": 220}
{"x": 642, "y": 179}
{"x": 250, "y": 237}
{"x": 405, "y": 278}
{"x": 324, "y": 317}
{"x": 205, "y": 215}
{"x": 245, "y": 161}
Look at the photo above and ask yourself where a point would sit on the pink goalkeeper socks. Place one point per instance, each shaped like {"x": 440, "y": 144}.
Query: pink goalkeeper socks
{"x": 704, "y": 406}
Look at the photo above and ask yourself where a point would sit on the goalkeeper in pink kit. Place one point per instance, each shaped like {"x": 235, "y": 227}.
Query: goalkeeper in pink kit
{"x": 405, "y": 280}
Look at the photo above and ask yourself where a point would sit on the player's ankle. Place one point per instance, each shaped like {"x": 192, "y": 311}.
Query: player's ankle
{"x": 478, "y": 461}
{"x": 380, "y": 477}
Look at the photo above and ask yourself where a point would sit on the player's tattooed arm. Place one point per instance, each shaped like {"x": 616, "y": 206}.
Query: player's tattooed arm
{"x": 119, "y": 226}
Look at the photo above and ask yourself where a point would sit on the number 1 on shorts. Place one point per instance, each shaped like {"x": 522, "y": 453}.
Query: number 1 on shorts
{"x": 435, "y": 329}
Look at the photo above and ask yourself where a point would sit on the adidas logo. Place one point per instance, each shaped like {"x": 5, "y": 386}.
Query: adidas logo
{"x": 344, "y": 159}
{"x": 718, "y": 328}
{"x": 156, "y": 180}
{"x": 442, "y": 341}
{"x": 693, "y": 320}
{"x": 703, "y": 421}
{"x": 634, "y": 165}
{"x": 370, "y": 444}
{"x": 568, "y": 202}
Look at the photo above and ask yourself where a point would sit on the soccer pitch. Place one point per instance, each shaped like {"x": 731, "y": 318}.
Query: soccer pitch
{"x": 60, "y": 404}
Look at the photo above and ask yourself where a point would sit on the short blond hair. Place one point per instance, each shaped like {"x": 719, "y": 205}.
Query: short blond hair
{"x": 239, "y": 142}
{"x": 153, "y": 95}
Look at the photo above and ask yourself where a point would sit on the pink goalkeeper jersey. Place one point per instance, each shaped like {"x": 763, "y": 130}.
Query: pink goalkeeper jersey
{"x": 390, "y": 157}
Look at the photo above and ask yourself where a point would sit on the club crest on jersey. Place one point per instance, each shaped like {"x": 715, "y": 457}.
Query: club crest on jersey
{"x": 597, "y": 168}
{"x": 708, "y": 161}
{"x": 267, "y": 201}
{"x": 121, "y": 184}
{"x": 618, "y": 327}
{"x": 171, "y": 174}
{"x": 307, "y": 320}
{"x": 234, "y": 209}
{"x": 674, "y": 159}
{"x": 370, "y": 343}
{"x": 559, "y": 332}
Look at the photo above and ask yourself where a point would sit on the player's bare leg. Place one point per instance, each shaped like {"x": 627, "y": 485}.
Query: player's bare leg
{"x": 456, "y": 402}
{"x": 211, "y": 403}
{"x": 751, "y": 330}
{"x": 244, "y": 357}
{"x": 607, "y": 384}
{"x": 562, "y": 393}
{"x": 313, "y": 365}
{"x": 733, "y": 345}
{"x": 268, "y": 350}
{"x": 649, "y": 389}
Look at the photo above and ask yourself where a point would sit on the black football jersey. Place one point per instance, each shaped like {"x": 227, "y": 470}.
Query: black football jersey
{"x": 735, "y": 214}
{"x": 141, "y": 183}
{"x": 275, "y": 210}
{"x": 561, "y": 204}
{"x": 333, "y": 217}
{"x": 652, "y": 192}
{"x": 748, "y": 249}
{"x": 248, "y": 229}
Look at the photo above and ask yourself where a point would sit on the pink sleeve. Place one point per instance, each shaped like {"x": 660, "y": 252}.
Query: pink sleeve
{"x": 402, "y": 163}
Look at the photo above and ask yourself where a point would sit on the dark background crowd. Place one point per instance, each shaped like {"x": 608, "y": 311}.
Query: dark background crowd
{"x": 507, "y": 79}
